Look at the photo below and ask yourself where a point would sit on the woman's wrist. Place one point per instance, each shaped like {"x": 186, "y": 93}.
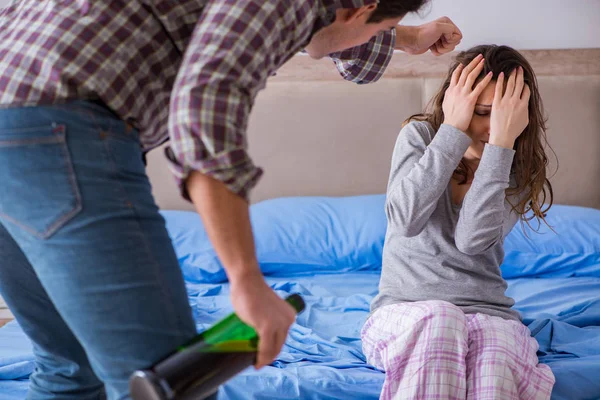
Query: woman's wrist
{"x": 500, "y": 141}
{"x": 456, "y": 124}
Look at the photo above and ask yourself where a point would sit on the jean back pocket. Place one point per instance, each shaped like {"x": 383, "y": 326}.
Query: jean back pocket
{"x": 40, "y": 188}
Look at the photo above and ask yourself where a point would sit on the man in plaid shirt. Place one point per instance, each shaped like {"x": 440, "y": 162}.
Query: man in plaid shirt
{"x": 85, "y": 88}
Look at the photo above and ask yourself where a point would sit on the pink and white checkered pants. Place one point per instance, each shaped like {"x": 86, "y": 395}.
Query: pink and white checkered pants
{"x": 432, "y": 350}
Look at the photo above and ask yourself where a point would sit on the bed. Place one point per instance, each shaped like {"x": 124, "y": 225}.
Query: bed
{"x": 320, "y": 233}
{"x": 329, "y": 251}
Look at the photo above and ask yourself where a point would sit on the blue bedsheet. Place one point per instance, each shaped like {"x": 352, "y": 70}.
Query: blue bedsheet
{"x": 323, "y": 359}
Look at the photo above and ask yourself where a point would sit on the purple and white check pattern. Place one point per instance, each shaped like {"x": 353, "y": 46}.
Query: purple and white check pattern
{"x": 189, "y": 69}
{"x": 432, "y": 350}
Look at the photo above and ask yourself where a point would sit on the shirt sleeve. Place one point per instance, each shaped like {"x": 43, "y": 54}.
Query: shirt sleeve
{"x": 366, "y": 63}
{"x": 227, "y": 61}
{"x": 420, "y": 173}
{"x": 486, "y": 216}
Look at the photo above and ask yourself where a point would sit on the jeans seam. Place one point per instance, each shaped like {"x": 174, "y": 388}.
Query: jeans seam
{"x": 72, "y": 180}
{"x": 176, "y": 320}
{"x": 24, "y": 142}
{"x": 22, "y": 130}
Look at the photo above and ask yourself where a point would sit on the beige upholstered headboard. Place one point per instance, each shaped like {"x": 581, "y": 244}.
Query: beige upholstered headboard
{"x": 315, "y": 134}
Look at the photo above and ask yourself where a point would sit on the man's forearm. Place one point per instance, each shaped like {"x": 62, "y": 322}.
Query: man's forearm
{"x": 226, "y": 219}
{"x": 440, "y": 37}
{"x": 405, "y": 37}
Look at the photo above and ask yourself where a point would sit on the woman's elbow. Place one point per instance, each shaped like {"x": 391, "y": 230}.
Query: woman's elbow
{"x": 402, "y": 223}
{"x": 472, "y": 247}
{"x": 467, "y": 248}
{"x": 408, "y": 231}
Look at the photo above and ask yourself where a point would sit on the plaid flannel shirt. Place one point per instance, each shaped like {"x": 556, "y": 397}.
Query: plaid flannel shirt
{"x": 186, "y": 70}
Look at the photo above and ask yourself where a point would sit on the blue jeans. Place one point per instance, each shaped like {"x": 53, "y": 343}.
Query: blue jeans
{"x": 87, "y": 266}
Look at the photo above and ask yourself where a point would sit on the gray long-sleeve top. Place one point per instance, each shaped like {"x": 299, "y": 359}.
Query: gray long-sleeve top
{"x": 435, "y": 249}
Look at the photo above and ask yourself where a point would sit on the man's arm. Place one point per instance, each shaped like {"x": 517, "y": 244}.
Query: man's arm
{"x": 440, "y": 36}
{"x": 227, "y": 61}
{"x": 367, "y": 63}
{"x": 227, "y": 222}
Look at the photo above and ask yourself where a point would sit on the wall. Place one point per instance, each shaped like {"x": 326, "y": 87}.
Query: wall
{"x": 523, "y": 24}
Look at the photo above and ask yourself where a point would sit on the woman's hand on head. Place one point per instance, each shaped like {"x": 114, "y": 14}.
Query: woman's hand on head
{"x": 461, "y": 96}
{"x": 510, "y": 110}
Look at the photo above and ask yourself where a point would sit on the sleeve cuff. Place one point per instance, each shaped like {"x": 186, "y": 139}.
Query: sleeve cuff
{"x": 451, "y": 141}
{"x": 366, "y": 63}
{"x": 496, "y": 162}
{"x": 234, "y": 169}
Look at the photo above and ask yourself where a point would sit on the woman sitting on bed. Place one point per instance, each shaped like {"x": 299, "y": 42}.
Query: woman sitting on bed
{"x": 461, "y": 177}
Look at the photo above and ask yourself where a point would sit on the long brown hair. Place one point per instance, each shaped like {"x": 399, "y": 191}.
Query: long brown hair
{"x": 531, "y": 186}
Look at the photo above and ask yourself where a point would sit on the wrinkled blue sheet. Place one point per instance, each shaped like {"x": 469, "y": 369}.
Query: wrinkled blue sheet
{"x": 323, "y": 359}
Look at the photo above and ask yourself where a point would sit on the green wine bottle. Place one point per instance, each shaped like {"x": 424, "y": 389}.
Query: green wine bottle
{"x": 197, "y": 369}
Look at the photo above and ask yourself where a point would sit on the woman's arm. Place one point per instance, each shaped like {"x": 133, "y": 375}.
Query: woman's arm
{"x": 422, "y": 166}
{"x": 484, "y": 209}
{"x": 421, "y": 170}
{"x": 484, "y": 215}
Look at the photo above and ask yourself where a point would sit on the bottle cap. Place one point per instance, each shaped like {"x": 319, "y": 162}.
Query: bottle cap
{"x": 296, "y": 301}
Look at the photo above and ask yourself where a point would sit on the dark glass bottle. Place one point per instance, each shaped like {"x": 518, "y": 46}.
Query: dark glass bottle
{"x": 197, "y": 369}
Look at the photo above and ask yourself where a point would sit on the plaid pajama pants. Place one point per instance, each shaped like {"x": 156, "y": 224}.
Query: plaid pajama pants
{"x": 432, "y": 350}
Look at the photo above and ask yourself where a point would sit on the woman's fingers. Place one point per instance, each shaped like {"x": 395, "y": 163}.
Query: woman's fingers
{"x": 510, "y": 85}
{"x": 526, "y": 94}
{"x": 520, "y": 82}
{"x": 467, "y": 70}
{"x": 499, "y": 88}
{"x": 474, "y": 74}
{"x": 483, "y": 84}
{"x": 456, "y": 75}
